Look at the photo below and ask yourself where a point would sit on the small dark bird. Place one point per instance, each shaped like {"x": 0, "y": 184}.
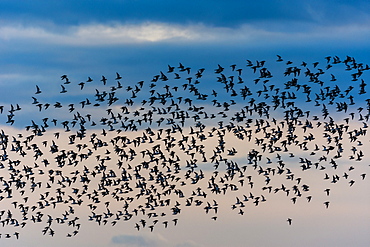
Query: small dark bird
{"x": 38, "y": 91}
{"x": 118, "y": 77}
{"x": 63, "y": 89}
{"x": 289, "y": 221}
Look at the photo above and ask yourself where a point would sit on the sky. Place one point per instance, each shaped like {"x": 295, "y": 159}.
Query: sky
{"x": 41, "y": 41}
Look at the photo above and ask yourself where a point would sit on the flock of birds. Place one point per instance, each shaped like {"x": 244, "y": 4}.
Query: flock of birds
{"x": 144, "y": 152}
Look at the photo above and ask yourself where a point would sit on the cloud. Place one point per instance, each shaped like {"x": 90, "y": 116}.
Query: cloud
{"x": 216, "y": 12}
{"x": 189, "y": 243}
{"x": 130, "y": 240}
{"x": 148, "y": 31}
{"x": 139, "y": 240}
{"x": 161, "y": 32}
{"x": 211, "y": 12}
{"x": 152, "y": 240}
{"x": 99, "y": 34}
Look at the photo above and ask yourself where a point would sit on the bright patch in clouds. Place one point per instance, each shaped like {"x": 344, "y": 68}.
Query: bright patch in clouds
{"x": 103, "y": 34}
{"x": 150, "y": 32}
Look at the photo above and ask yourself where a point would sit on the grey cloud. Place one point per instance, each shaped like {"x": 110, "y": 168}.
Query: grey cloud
{"x": 130, "y": 240}
{"x": 139, "y": 240}
{"x": 189, "y": 243}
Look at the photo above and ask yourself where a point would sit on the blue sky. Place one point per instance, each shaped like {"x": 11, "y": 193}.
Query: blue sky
{"x": 234, "y": 13}
{"x": 42, "y": 40}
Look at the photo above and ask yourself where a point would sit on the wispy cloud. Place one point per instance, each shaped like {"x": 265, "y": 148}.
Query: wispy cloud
{"x": 155, "y": 32}
{"x": 189, "y": 243}
{"x": 139, "y": 240}
{"x": 152, "y": 240}
{"x": 99, "y": 34}
{"x": 150, "y": 32}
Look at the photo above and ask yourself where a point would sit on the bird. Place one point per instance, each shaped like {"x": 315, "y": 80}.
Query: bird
{"x": 289, "y": 221}
{"x": 63, "y": 89}
{"x": 327, "y": 191}
{"x": 38, "y": 91}
{"x": 104, "y": 80}
{"x": 118, "y": 76}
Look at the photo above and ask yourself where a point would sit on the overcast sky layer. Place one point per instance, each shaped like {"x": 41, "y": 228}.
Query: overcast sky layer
{"x": 42, "y": 40}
